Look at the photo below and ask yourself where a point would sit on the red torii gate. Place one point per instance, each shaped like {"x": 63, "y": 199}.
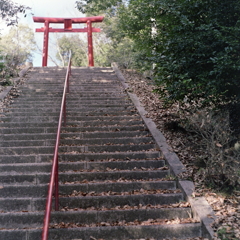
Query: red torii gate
{"x": 68, "y": 28}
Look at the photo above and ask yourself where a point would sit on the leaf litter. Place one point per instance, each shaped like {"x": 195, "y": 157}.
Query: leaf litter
{"x": 227, "y": 208}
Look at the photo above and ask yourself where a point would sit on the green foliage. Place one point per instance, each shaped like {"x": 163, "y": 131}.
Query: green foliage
{"x": 16, "y": 47}
{"x": 5, "y": 82}
{"x": 78, "y": 48}
{"x": 95, "y": 7}
{"x": 136, "y": 21}
{"x": 1, "y": 63}
{"x": 9, "y": 14}
{"x": 122, "y": 53}
{"x": 9, "y": 11}
{"x": 110, "y": 47}
{"x": 113, "y": 44}
{"x": 225, "y": 234}
{"x": 198, "y": 56}
{"x": 194, "y": 48}
{"x": 192, "y": 44}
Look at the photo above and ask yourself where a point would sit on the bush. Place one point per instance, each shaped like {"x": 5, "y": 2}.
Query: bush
{"x": 221, "y": 158}
{"x": 198, "y": 55}
{"x": 9, "y": 69}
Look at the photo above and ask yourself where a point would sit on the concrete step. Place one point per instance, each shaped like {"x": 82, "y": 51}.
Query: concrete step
{"x": 106, "y": 156}
{"x": 77, "y": 98}
{"x": 75, "y": 135}
{"x": 43, "y": 178}
{"x": 93, "y": 105}
{"x": 119, "y": 111}
{"x": 74, "y": 82}
{"x": 80, "y": 89}
{"x": 134, "y": 121}
{"x": 72, "y": 129}
{"x": 71, "y": 142}
{"x": 74, "y": 88}
{"x": 10, "y": 168}
{"x": 72, "y": 97}
{"x": 74, "y": 94}
{"x": 123, "y": 232}
{"x": 40, "y": 191}
{"x": 34, "y": 220}
{"x": 76, "y": 149}
{"x": 38, "y": 204}
{"x": 72, "y": 118}
{"x": 54, "y": 105}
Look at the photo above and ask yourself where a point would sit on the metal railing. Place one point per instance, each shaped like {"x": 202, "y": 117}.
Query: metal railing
{"x": 54, "y": 173}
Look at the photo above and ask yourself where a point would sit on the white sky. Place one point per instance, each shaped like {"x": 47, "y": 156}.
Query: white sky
{"x": 46, "y": 8}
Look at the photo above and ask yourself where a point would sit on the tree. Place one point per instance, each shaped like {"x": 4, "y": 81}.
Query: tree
{"x": 9, "y": 14}
{"x": 106, "y": 7}
{"x": 112, "y": 44}
{"x": 198, "y": 57}
{"x": 101, "y": 47}
{"x": 18, "y": 44}
{"x": 9, "y": 11}
{"x": 16, "y": 48}
{"x": 193, "y": 44}
{"x": 78, "y": 48}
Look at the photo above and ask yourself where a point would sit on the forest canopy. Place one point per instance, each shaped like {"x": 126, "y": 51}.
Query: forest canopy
{"x": 192, "y": 46}
{"x": 9, "y": 11}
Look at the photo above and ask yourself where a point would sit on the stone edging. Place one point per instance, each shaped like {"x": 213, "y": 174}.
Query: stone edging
{"x": 5, "y": 92}
{"x": 7, "y": 89}
{"x": 23, "y": 72}
{"x": 200, "y": 207}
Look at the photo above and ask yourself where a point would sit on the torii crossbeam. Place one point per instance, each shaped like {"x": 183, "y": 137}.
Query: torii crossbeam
{"x": 68, "y": 28}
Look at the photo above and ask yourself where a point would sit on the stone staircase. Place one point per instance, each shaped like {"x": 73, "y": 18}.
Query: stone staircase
{"x": 114, "y": 181}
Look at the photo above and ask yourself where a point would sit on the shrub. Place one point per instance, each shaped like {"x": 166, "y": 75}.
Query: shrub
{"x": 221, "y": 149}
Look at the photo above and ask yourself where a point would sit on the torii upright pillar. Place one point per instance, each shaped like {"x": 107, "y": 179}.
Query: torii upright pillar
{"x": 68, "y": 28}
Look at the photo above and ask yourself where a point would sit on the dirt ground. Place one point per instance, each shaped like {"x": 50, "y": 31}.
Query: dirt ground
{"x": 225, "y": 206}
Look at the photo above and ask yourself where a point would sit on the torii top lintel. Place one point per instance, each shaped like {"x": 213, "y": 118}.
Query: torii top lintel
{"x": 74, "y": 20}
{"x": 68, "y": 28}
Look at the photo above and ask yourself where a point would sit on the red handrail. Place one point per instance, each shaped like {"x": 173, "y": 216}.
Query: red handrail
{"x": 54, "y": 172}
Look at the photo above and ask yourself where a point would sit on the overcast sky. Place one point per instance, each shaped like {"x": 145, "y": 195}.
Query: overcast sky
{"x": 46, "y": 8}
